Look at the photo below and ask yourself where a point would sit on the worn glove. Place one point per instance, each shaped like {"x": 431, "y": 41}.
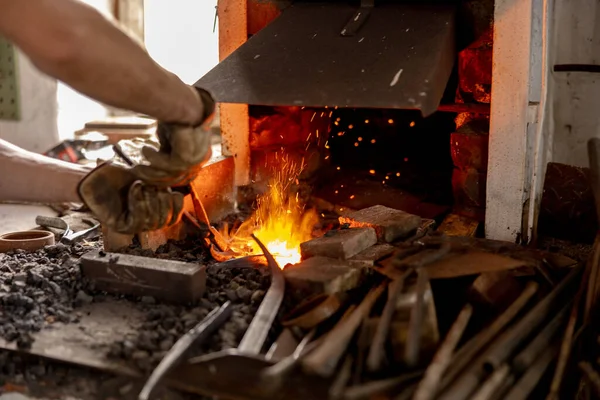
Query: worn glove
{"x": 183, "y": 150}
{"x": 139, "y": 198}
{"x": 123, "y": 202}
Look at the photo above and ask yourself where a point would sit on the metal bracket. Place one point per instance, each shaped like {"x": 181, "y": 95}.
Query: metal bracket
{"x": 9, "y": 88}
{"x": 359, "y": 18}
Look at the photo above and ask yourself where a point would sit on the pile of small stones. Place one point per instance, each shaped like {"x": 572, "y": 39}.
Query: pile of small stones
{"x": 165, "y": 324}
{"x": 39, "y": 288}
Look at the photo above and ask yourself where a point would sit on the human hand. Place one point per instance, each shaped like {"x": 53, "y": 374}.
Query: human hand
{"x": 183, "y": 150}
{"x": 126, "y": 204}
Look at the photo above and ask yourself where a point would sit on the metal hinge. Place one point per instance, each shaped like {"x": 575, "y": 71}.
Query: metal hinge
{"x": 9, "y": 84}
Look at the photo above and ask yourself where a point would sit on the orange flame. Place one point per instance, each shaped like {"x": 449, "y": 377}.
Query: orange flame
{"x": 280, "y": 221}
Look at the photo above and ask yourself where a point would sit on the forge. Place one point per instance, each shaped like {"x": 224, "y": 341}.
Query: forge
{"x": 360, "y": 231}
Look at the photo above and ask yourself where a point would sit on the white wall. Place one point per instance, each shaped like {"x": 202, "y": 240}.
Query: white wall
{"x": 577, "y": 94}
{"x": 37, "y": 129}
{"x": 75, "y": 109}
{"x": 179, "y": 36}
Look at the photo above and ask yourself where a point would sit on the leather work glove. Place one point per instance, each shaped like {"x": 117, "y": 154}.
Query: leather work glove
{"x": 133, "y": 199}
{"x": 183, "y": 150}
{"x": 125, "y": 203}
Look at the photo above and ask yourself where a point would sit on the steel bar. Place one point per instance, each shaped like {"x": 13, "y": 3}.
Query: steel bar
{"x": 520, "y": 331}
{"x": 199, "y": 208}
{"x": 376, "y": 356}
{"x": 492, "y": 384}
{"x": 541, "y": 342}
{"x": 336, "y": 389}
{"x": 415, "y": 326}
{"x": 325, "y": 358}
{"x": 594, "y": 161}
{"x": 567, "y": 342}
{"x": 254, "y": 338}
{"x": 591, "y": 375}
{"x": 525, "y": 385}
{"x": 196, "y": 335}
{"x": 428, "y": 386}
{"x": 505, "y": 345}
{"x": 465, "y": 355}
{"x": 372, "y": 389}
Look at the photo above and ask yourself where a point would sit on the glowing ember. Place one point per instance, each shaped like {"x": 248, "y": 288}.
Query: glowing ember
{"x": 280, "y": 220}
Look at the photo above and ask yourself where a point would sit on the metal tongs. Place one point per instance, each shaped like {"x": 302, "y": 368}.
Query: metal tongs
{"x": 235, "y": 369}
{"x": 181, "y": 348}
{"x": 68, "y": 236}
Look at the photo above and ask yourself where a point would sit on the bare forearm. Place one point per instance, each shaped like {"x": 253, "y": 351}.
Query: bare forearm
{"x": 30, "y": 177}
{"x": 77, "y": 45}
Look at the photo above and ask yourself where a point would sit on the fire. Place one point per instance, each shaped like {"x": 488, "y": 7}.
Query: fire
{"x": 281, "y": 220}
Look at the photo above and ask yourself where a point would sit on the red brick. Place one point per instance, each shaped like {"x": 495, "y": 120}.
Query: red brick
{"x": 274, "y": 127}
{"x": 475, "y": 69}
{"x": 260, "y": 14}
{"x": 469, "y": 188}
{"x": 469, "y": 146}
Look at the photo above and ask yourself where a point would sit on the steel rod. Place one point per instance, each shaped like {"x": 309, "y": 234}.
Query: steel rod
{"x": 428, "y": 386}
{"x": 466, "y": 354}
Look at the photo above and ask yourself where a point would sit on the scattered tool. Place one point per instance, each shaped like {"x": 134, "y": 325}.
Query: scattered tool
{"x": 226, "y": 371}
{"x": 68, "y": 236}
{"x": 181, "y": 348}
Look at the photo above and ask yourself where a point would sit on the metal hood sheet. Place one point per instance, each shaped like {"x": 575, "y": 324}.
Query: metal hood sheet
{"x": 401, "y": 57}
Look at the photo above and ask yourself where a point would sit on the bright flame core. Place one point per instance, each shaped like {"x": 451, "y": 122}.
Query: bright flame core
{"x": 280, "y": 221}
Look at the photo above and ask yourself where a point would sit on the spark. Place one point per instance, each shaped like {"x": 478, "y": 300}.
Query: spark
{"x": 390, "y": 121}
{"x": 359, "y": 139}
{"x": 338, "y": 168}
{"x": 372, "y": 171}
{"x": 373, "y": 141}
{"x": 351, "y": 197}
{"x": 412, "y": 124}
{"x": 397, "y": 173}
{"x": 366, "y": 121}
{"x": 355, "y": 144}
{"x": 396, "y": 78}
{"x": 313, "y": 116}
{"x": 280, "y": 220}
{"x": 350, "y": 126}
{"x": 336, "y": 192}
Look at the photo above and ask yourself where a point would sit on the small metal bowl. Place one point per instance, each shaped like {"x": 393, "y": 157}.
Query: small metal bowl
{"x": 26, "y": 240}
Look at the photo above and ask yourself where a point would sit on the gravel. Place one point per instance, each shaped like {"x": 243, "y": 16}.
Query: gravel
{"x": 41, "y": 288}
{"x": 38, "y": 289}
{"x": 165, "y": 324}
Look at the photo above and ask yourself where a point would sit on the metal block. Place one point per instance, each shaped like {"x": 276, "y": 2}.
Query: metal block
{"x": 9, "y": 84}
{"x": 172, "y": 281}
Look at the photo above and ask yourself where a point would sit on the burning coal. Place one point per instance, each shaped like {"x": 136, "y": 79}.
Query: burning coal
{"x": 281, "y": 220}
